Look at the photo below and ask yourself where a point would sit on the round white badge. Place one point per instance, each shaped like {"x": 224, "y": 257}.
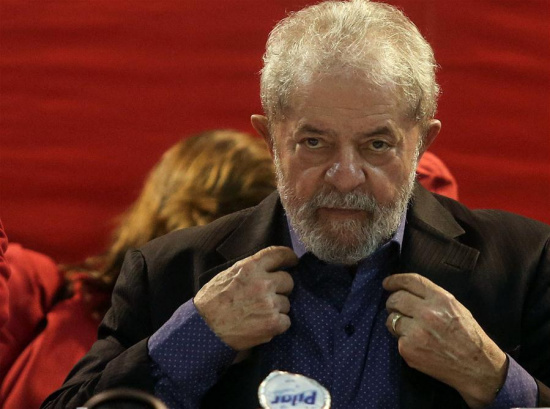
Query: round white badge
{"x": 284, "y": 390}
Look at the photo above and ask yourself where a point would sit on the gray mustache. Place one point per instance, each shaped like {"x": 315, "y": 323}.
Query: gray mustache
{"x": 350, "y": 201}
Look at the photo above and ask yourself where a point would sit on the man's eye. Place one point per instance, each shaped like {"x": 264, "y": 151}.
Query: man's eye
{"x": 312, "y": 142}
{"x": 379, "y": 145}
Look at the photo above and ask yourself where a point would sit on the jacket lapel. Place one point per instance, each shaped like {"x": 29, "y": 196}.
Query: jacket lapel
{"x": 265, "y": 226}
{"x": 431, "y": 248}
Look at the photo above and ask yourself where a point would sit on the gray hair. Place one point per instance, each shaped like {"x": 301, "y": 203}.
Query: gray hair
{"x": 373, "y": 40}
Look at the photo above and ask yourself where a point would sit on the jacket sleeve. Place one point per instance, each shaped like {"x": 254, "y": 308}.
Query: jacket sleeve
{"x": 536, "y": 332}
{"x": 119, "y": 358}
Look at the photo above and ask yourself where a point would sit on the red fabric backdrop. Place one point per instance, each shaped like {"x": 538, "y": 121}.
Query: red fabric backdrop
{"x": 92, "y": 92}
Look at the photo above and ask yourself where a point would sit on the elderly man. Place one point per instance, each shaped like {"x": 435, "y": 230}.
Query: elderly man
{"x": 351, "y": 274}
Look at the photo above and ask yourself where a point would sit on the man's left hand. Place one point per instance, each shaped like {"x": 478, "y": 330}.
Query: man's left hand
{"x": 438, "y": 336}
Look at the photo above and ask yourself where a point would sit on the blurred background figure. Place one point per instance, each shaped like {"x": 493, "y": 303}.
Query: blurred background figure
{"x": 4, "y": 276}
{"x": 55, "y": 311}
{"x": 435, "y": 176}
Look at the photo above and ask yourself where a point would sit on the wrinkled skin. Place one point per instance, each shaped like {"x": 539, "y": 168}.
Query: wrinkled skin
{"x": 247, "y": 304}
{"x": 437, "y": 335}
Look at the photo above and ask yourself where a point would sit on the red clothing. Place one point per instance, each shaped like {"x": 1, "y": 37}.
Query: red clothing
{"x": 42, "y": 340}
{"x": 4, "y": 276}
{"x": 32, "y": 287}
{"x": 436, "y": 177}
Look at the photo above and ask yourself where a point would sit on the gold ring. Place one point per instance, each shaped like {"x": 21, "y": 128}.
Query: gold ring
{"x": 394, "y": 321}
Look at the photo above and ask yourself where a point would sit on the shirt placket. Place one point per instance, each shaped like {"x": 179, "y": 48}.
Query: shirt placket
{"x": 355, "y": 321}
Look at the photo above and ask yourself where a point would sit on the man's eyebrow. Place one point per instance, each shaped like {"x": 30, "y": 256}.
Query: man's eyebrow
{"x": 381, "y": 130}
{"x": 307, "y": 128}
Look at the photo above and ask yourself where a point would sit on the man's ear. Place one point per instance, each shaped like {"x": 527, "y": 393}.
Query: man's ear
{"x": 259, "y": 122}
{"x": 433, "y": 130}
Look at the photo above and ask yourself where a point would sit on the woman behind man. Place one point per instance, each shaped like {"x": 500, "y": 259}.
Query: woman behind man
{"x": 55, "y": 322}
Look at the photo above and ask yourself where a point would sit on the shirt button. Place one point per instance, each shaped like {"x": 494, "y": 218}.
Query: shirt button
{"x": 349, "y": 329}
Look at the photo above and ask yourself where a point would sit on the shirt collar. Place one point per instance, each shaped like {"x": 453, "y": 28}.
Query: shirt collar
{"x": 300, "y": 249}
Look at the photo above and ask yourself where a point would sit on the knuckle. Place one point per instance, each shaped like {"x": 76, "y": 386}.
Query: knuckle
{"x": 280, "y": 252}
{"x": 241, "y": 278}
{"x": 260, "y": 254}
{"x": 407, "y": 279}
{"x": 285, "y": 301}
{"x": 269, "y": 304}
{"x": 270, "y": 285}
{"x": 272, "y": 251}
{"x": 280, "y": 281}
{"x": 445, "y": 299}
{"x": 289, "y": 281}
{"x": 417, "y": 338}
{"x": 284, "y": 324}
{"x": 394, "y": 299}
{"x": 242, "y": 268}
{"x": 454, "y": 325}
{"x": 285, "y": 306}
{"x": 238, "y": 279}
{"x": 448, "y": 297}
{"x": 429, "y": 316}
{"x": 281, "y": 300}
{"x": 271, "y": 324}
{"x": 260, "y": 286}
{"x": 240, "y": 264}
{"x": 418, "y": 278}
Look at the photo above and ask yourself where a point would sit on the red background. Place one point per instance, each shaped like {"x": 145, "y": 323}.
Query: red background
{"x": 92, "y": 92}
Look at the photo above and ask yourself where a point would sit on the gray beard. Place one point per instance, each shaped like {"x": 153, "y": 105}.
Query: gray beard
{"x": 343, "y": 241}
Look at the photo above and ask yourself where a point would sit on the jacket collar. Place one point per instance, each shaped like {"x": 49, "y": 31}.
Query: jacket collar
{"x": 264, "y": 226}
{"x": 431, "y": 245}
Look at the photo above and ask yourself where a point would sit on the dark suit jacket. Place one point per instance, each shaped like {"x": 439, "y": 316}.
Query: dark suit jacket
{"x": 497, "y": 264}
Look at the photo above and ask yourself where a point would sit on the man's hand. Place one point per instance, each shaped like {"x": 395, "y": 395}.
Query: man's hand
{"x": 438, "y": 336}
{"x": 247, "y": 304}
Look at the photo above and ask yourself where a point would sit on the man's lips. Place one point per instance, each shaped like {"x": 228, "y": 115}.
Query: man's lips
{"x": 337, "y": 212}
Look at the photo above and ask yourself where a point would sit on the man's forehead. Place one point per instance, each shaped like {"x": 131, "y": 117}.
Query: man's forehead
{"x": 319, "y": 112}
{"x": 344, "y": 93}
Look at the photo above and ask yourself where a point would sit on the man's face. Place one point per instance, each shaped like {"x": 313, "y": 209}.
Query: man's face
{"x": 345, "y": 158}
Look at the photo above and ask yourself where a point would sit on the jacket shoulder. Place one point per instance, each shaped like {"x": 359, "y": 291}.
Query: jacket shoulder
{"x": 492, "y": 219}
{"x": 195, "y": 239}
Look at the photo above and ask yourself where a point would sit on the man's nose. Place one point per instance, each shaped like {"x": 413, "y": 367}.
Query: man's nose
{"x": 346, "y": 173}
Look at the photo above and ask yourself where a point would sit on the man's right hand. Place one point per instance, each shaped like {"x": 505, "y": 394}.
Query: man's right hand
{"x": 247, "y": 304}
